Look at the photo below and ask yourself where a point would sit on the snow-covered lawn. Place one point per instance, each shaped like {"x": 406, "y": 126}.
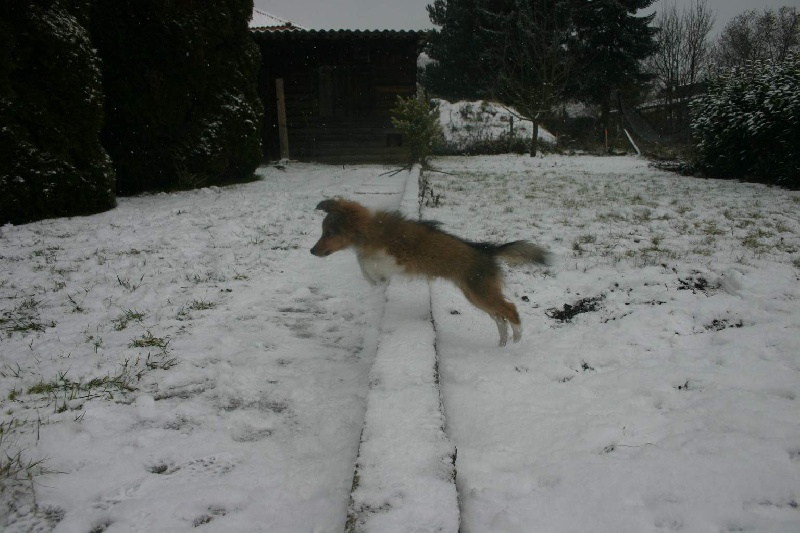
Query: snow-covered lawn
{"x": 182, "y": 361}
{"x": 232, "y": 365}
{"x": 673, "y": 402}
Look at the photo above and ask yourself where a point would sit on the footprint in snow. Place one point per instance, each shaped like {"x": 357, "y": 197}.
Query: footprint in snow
{"x": 212, "y": 465}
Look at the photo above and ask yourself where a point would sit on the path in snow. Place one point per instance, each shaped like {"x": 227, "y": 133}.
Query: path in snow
{"x": 405, "y": 477}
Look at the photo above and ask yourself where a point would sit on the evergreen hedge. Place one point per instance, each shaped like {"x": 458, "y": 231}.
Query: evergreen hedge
{"x": 51, "y": 111}
{"x": 181, "y": 85}
{"x": 748, "y": 124}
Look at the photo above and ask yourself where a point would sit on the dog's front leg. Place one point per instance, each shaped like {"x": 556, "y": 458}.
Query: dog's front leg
{"x": 365, "y": 272}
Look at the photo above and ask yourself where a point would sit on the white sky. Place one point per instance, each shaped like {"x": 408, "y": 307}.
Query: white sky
{"x": 412, "y": 15}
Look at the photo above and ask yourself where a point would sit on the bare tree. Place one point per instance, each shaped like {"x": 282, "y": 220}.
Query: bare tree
{"x": 532, "y": 63}
{"x": 754, "y": 35}
{"x": 665, "y": 64}
{"x": 698, "y": 20}
{"x": 684, "y": 49}
{"x": 787, "y": 29}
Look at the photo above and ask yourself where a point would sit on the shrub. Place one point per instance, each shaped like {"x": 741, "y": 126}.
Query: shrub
{"x": 51, "y": 111}
{"x": 418, "y": 121}
{"x": 748, "y": 124}
{"x": 181, "y": 83}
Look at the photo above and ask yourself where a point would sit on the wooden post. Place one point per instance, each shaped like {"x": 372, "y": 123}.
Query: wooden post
{"x": 283, "y": 133}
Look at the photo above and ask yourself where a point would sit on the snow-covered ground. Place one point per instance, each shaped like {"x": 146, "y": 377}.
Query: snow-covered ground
{"x": 673, "y": 405}
{"x": 256, "y": 426}
{"x": 183, "y": 362}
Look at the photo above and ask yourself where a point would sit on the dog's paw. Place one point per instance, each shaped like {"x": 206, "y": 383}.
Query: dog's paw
{"x": 517, "y": 329}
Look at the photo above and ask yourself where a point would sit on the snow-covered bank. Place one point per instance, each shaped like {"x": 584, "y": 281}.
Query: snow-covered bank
{"x": 466, "y": 123}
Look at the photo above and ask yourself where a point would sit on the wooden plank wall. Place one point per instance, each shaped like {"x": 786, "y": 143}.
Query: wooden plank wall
{"x": 339, "y": 93}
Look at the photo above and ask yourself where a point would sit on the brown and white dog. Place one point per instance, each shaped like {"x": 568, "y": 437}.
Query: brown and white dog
{"x": 387, "y": 243}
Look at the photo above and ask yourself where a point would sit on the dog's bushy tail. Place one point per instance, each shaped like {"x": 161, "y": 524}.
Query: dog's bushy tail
{"x": 522, "y": 253}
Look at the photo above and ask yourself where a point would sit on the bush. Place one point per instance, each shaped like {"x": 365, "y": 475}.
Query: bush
{"x": 504, "y": 144}
{"x": 51, "y": 111}
{"x": 748, "y": 124}
{"x": 418, "y": 121}
{"x": 181, "y": 84}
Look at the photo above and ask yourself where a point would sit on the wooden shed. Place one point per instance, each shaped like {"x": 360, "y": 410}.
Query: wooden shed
{"x": 338, "y": 87}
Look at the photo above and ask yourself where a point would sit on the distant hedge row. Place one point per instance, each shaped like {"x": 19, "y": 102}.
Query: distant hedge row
{"x": 106, "y": 97}
{"x": 748, "y": 124}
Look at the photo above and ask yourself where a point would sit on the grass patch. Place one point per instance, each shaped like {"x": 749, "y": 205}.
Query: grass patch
{"x": 711, "y": 228}
{"x": 130, "y": 315}
{"x": 130, "y": 284}
{"x": 148, "y": 340}
{"x": 16, "y": 467}
{"x": 64, "y": 393}
{"x": 201, "y": 305}
{"x": 24, "y": 318}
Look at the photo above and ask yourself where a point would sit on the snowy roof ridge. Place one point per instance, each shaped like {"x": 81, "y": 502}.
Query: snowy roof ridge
{"x": 297, "y": 32}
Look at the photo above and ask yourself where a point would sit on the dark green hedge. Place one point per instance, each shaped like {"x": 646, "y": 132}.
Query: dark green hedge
{"x": 180, "y": 78}
{"x": 51, "y": 111}
{"x": 747, "y": 126}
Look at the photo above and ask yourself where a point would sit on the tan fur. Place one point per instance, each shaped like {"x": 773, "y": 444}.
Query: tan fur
{"x": 387, "y": 241}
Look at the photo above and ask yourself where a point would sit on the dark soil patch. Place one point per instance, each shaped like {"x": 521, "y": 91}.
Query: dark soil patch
{"x": 719, "y": 325}
{"x": 696, "y": 282}
{"x": 570, "y": 311}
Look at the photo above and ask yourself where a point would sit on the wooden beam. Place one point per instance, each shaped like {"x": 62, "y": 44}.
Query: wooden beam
{"x": 283, "y": 134}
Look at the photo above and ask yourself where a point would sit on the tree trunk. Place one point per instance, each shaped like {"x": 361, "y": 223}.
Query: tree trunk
{"x": 605, "y": 112}
{"x": 535, "y": 138}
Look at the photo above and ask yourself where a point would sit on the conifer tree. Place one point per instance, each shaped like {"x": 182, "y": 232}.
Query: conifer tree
{"x": 182, "y": 107}
{"x": 607, "y": 44}
{"x": 612, "y": 42}
{"x": 456, "y": 48}
{"x": 51, "y": 111}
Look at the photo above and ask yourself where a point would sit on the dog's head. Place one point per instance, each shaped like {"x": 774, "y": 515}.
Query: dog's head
{"x": 340, "y": 226}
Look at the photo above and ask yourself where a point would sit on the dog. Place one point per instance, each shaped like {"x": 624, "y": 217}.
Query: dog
{"x": 386, "y": 243}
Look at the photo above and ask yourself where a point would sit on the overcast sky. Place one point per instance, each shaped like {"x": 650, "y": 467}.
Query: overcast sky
{"x": 412, "y": 15}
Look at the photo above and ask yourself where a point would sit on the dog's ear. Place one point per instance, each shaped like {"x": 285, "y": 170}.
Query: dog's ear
{"x": 327, "y": 205}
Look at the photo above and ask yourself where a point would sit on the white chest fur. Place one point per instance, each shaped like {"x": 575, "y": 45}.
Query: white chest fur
{"x": 378, "y": 267}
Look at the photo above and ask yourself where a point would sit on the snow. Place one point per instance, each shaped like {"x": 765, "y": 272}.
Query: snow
{"x": 671, "y": 407}
{"x": 259, "y": 421}
{"x": 259, "y": 379}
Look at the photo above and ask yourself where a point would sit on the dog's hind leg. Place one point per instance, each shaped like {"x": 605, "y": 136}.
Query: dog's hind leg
{"x": 488, "y": 297}
{"x": 502, "y": 329}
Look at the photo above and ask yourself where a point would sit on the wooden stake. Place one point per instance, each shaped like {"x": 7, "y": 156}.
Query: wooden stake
{"x": 283, "y": 134}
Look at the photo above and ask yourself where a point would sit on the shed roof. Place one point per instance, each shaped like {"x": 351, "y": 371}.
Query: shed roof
{"x": 264, "y": 21}
{"x": 300, "y": 34}
{"x": 267, "y": 27}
